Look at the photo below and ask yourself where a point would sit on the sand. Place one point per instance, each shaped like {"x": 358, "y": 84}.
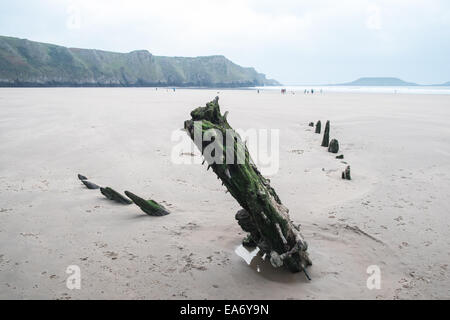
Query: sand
{"x": 393, "y": 214}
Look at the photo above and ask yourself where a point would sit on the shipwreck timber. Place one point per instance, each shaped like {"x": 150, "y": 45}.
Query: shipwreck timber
{"x": 113, "y": 195}
{"x": 263, "y": 216}
{"x": 150, "y": 207}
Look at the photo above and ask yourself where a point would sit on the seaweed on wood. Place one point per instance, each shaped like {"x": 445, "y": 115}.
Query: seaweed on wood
{"x": 263, "y": 216}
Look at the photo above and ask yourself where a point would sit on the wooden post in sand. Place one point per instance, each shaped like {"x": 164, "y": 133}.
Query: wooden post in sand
{"x": 318, "y": 127}
{"x": 326, "y": 135}
{"x": 346, "y": 174}
{"x": 263, "y": 215}
{"x": 334, "y": 146}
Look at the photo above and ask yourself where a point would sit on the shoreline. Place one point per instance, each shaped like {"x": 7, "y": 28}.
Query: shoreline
{"x": 298, "y": 90}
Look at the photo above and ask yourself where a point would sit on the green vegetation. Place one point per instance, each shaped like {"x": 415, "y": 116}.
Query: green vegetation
{"x": 150, "y": 207}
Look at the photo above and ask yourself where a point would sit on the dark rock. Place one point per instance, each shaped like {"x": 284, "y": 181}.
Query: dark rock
{"x": 340, "y": 156}
{"x": 311, "y": 124}
{"x": 318, "y": 126}
{"x": 334, "y": 146}
{"x": 112, "y": 194}
{"x": 326, "y": 135}
{"x": 346, "y": 174}
{"x": 90, "y": 185}
{"x": 81, "y": 177}
{"x": 150, "y": 207}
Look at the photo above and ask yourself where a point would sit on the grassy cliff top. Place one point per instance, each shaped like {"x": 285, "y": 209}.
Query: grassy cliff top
{"x": 24, "y": 62}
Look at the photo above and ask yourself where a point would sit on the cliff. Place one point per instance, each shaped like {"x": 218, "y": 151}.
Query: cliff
{"x": 29, "y": 63}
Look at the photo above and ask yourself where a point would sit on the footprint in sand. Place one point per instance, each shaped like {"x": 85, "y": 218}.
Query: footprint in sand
{"x": 111, "y": 254}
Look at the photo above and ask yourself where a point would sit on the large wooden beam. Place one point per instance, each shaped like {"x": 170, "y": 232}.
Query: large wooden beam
{"x": 263, "y": 216}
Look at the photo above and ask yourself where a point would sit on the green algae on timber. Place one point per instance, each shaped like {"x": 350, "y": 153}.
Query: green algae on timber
{"x": 265, "y": 218}
{"x": 112, "y": 194}
{"x": 150, "y": 207}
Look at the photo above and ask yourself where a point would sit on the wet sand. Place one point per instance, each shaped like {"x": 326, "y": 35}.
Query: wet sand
{"x": 393, "y": 214}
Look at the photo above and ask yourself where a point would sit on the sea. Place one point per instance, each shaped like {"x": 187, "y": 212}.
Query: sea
{"x": 362, "y": 89}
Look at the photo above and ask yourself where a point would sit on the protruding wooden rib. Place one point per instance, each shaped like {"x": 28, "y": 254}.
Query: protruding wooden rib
{"x": 90, "y": 185}
{"x": 113, "y": 195}
{"x": 150, "y": 207}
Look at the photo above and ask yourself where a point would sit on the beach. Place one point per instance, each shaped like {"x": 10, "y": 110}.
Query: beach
{"x": 393, "y": 214}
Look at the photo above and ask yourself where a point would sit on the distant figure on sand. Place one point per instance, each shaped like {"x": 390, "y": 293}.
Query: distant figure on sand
{"x": 312, "y": 91}
{"x": 283, "y": 91}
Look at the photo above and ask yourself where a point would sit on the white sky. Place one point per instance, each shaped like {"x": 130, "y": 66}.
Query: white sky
{"x": 293, "y": 41}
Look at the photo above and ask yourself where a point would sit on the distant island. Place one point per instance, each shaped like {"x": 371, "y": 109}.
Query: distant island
{"x": 394, "y": 82}
{"x": 25, "y": 63}
{"x": 384, "y": 81}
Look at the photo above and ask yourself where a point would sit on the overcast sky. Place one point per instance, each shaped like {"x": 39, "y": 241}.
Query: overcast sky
{"x": 293, "y": 41}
